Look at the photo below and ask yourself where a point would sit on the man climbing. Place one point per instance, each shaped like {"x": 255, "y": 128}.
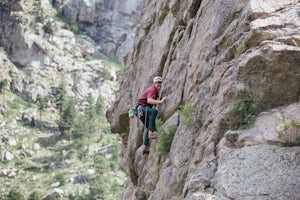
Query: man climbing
{"x": 146, "y": 113}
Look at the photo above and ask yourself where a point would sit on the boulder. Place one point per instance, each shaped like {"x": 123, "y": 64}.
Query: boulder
{"x": 260, "y": 171}
{"x": 55, "y": 184}
{"x": 87, "y": 11}
{"x": 8, "y": 155}
{"x": 55, "y": 194}
{"x": 12, "y": 141}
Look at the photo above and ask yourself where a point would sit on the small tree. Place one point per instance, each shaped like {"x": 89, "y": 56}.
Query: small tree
{"x": 68, "y": 119}
{"x": 60, "y": 100}
{"x": 3, "y": 85}
{"x": 100, "y": 106}
{"x": 91, "y": 115}
{"x": 100, "y": 111}
{"x": 81, "y": 128}
{"x": 165, "y": 138}
{"x": 72, "y": 24}
{"x": 100, "y": 187}
{"x": 48, "y": 28}
{"x": 101, "y": 164}
{"x": 42, "y": 102}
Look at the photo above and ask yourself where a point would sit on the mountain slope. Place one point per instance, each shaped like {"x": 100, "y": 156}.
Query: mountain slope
{"x": 42, "y": 58}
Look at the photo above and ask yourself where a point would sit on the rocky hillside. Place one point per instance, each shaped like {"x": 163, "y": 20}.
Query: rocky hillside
{"x": 42, "y": 49}
{"x": 111, "y": 24}
{"x": 232, "y": 77}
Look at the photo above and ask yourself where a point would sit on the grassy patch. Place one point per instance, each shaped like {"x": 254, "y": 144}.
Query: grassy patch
{"x": 244, "y": 114}
{"x": 112, "y": 61}
{"x": 240, "y": 49}
{"x": 18, "y": 102}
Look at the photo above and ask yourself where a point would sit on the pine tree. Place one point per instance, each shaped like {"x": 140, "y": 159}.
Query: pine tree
{"x": 100, "y": 111}
{"x": 100, "y": 106}
{"x": 91, "y": 116}
{"x": 3, "y": 85}
{"x": 68, "y": 119}
{"x": 48, "y": 28}
{"x": 80, "y": 129}
{"x": 72, "y": 23}
{"x": 61, "y": 98}
{"x": 42, "y": 102}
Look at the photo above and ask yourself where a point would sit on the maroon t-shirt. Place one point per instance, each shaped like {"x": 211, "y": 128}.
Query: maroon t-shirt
{"x": 150, "y": 92}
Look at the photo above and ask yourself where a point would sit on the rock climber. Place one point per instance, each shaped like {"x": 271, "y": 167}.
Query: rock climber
{"x": 146, "y": 113}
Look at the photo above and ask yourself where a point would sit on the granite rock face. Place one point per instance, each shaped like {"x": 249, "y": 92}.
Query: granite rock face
{"x": 110, "y": 23}
{"x": 216, "y": 55}
{"x": 271, "y": 172}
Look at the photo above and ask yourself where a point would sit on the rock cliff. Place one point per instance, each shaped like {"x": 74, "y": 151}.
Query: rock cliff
{"x": 42, "y": 60}
{"x": 231, "y": 60}
{"x": 110, "y": 23}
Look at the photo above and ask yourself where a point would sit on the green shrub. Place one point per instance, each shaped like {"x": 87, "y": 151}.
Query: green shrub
{"x": 78, "y": 196}
{"x": 189, "y": 113}
{"x": 244, "y": 114}
{"x": 289, "y": 131}
{"x": 15, "y": 195}
{"x": 88, "y": 58}
{"x": 101, "y": 187}
{"x": 35, "y": 196}
{"x": 101, "y": 163}
{"x": 165, "y": 138}
{"x": 72, "y": 23}
{"x": 48, "y": 28}
{"x": 61, "y": 179}
{"x": 240, "y": 49}
{"x": 40, "y": 17}
{"x": 82, "y": 153}
{"x": 32, "y": 168}
{"x": 3, "y": 85}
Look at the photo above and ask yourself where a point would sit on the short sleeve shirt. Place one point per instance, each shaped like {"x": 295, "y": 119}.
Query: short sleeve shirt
{"x": 150, "y": 92}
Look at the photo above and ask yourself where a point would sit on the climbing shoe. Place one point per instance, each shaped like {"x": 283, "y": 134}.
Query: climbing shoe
{"x": 146, "y": 150}
{"x": 152, "y": 136}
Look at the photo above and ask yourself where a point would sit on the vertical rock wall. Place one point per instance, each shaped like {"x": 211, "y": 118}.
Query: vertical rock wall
{"x": 215, "y": 54}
